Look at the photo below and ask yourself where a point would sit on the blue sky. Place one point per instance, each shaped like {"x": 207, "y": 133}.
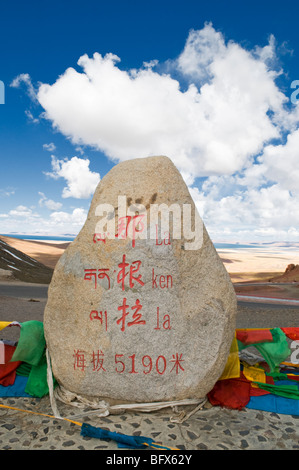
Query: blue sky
{"x": 206, "y": 83}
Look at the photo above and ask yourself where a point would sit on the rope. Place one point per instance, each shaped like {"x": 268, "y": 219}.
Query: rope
{"x": 154, "y": 445}
{"x": 102, "y": 408}
{"x": 183, "y": 416}
{"x": 39, "y": 414}
{"x": 51, "y": 386}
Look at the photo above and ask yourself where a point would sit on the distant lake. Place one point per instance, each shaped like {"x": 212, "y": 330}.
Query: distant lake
{"x": 70, "y": 238}
{"x": 263, "y": 246}
{"x": 40, "y": 237}
{"x": 235, "y": 246}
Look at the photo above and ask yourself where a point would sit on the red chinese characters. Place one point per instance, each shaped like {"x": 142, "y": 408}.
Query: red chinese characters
{"x": 124, "y": 272}
{"x": 79, "y": 360}
{"x": 124, "y": 276}
{"x": 129, "y": 365}
{"x": 98, "y": 361}
{"x": 130, "y": 225}
{"x": 137, "y": 317}
{"x": 98, "y": 237}
{"x": 177, "y": 360}
{"x": 130, "y": 271}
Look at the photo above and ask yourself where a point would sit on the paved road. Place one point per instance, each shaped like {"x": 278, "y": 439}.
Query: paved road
{"x": 29, "y": 291}
{"x": 14, "y": 305}
{"x": 40, "y": 291}
{"x": 262, "y": 315}
{"x": 266, "y": 305}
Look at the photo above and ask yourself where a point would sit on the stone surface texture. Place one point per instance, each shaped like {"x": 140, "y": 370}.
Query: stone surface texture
{"x": 142, "y": 358}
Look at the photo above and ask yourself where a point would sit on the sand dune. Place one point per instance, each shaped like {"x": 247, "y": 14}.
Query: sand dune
{"x": 258, "y": 264}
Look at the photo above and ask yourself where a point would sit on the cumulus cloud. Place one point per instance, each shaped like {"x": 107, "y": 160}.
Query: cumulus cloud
{"x": 22, "y": 219}
{"x": 81, "y": 181}
{"x": 279, "y": 163}
{"x": 7, "y": 192}
{"x": 216, "y": 110}
{"x": 30, "y": 117}
{"x": 48, "y": 203}
{"x": 24, "y": 78}
{"x": 22, "y": 211}
{"x": 69, "y": 219}
{"x": 215, "y": 126}
{"x": 261, "y": 202}
{"x": 49, "y": 147}
{"x": 238, "y": 212}
{"x": 200, "y": 51}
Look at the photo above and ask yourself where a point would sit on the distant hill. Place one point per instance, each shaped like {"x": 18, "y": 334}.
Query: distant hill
{"x": 291, "y": 274}
{"x": 47, "y": 253}
{"x": 17, "y": 265}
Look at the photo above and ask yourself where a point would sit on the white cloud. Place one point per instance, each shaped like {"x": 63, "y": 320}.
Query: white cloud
{"x": 222, "y": 118}
{"x": 30, "y": 117}
{"x": 49, "y": 147}
{"x": 81, "y": 181}
{"x": 73, "y": 219}
{"x": 279, "y": 163}
{"x": 230, "y": 111}
{"x": 7, "y": 192}
{"x": 49, "y": 203}
{"x": 247, "y": 213}
{"x": 80, "y": 150}
{"x": 199, "y": 53}
{"x": 23, "y": 220}
{"x": 26, "y": 79}
{"x": 22, "y": 211}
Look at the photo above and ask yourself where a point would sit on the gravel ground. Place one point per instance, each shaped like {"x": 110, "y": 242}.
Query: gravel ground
{"x": 212, "y": 428}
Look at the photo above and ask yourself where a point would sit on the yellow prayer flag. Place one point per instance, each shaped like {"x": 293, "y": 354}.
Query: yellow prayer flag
{"x": 254, "y": 373}
{"x": 232, "y": 367}
{"x": 4, "y": 324}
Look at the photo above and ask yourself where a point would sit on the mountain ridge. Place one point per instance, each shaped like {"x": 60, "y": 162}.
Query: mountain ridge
{"x": 15, "y": 264}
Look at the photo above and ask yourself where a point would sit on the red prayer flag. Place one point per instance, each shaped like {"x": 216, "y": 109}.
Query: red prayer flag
{"x": 231, "y": 393}
{"x": 254, "y": 336}
{"x": 8, "y": 369}
{"x": 291, "y": 332}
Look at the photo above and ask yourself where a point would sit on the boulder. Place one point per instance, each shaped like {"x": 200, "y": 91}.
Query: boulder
{"x": 140, "y": 307}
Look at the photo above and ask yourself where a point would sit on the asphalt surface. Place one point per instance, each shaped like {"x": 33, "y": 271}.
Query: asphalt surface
{"x": 266, "y": 315}
{"x": 255, "y": 314}
{"x": 34, "y": 291}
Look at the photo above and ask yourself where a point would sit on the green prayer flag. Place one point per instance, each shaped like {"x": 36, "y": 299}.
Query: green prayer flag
{"x": 31, "y": 351}
{"x": 287, "y": 391}
{"x": 31, "y": 344}
{"x": 275, "y": 352}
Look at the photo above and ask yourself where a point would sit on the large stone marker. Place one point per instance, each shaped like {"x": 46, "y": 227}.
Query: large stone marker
{"x": 140, "y": 307}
